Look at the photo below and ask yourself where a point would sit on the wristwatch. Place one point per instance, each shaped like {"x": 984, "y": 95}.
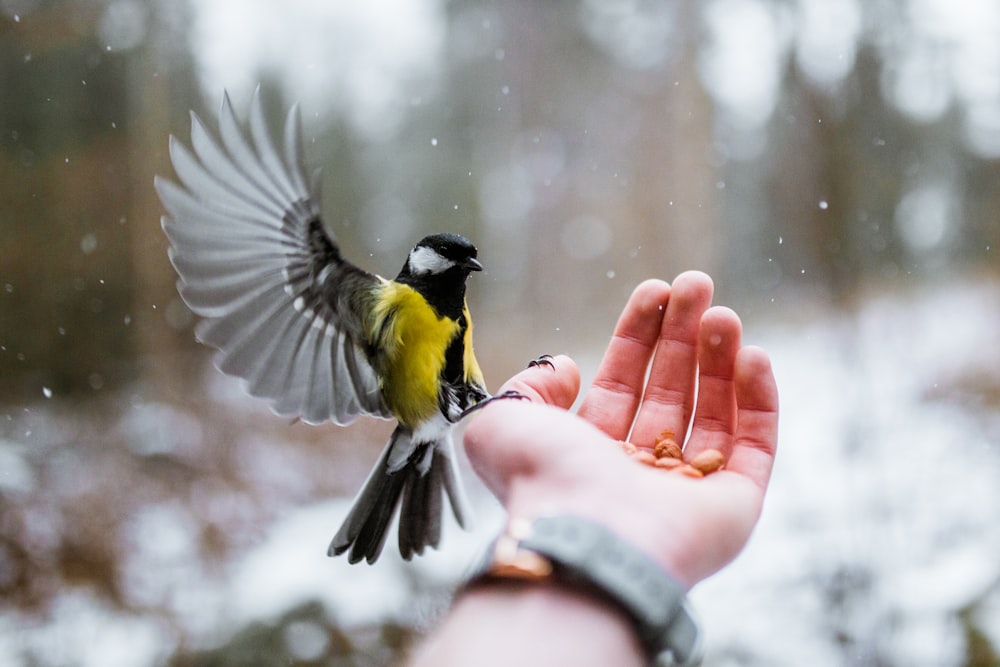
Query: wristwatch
{"x": 580, "y": 553}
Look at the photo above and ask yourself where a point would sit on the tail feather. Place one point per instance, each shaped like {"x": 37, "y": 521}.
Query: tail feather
{"x": 420, "y": 512}
{"x": 453, "y": 487}
{"x": 417, "y": 487}
{"x": 374, "y": 531}
{"x": 371, "y": 511}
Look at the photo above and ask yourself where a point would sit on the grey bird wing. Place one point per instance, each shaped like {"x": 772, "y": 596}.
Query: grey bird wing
{"x": 282, "y": 306}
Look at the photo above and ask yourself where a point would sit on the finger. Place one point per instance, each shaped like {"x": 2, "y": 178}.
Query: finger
{"x": 613, "y": 398}
{"x": 756, "y": 437}
{"x": 715, "y": 414}
{"x": 670, "y": 390}
{"x": 557, "y": 385}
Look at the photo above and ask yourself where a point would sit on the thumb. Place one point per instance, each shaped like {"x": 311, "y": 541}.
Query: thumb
{"x": 558, "y": 384}
{"x": 511, "y": 440}
{"x": 497, "y": 439}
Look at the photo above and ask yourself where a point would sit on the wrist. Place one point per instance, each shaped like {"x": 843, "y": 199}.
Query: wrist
{"x": 583, "y": 556}
{"x": 503, "y": 622}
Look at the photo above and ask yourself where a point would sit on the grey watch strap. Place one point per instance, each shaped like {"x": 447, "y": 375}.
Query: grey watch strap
{"x": 586, "y": 553}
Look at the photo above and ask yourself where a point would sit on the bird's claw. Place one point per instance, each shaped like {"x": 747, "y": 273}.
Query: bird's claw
{"x": 542, "y": 360}
{"x": 510, "y": 393}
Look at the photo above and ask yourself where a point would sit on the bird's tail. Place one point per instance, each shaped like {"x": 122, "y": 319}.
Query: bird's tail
{"x": 417, "y": 486}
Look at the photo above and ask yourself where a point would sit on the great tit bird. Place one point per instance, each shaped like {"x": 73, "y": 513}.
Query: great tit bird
{"x": 316, "y": 335}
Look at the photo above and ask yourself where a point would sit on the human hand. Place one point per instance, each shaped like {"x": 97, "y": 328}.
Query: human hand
{"x": 538, "y": 458}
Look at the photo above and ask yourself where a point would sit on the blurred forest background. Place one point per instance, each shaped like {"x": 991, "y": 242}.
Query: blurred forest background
{"x": 814, "y": 156}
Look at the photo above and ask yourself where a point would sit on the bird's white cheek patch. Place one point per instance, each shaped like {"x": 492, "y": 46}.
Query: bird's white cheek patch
{"x": 425, "y": 260}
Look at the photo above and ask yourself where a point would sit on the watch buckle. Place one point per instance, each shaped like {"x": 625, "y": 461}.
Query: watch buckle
{"x": 510, "y": 561}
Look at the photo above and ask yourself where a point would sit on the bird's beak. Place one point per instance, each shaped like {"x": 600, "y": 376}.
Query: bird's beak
{"x": 472, "y": 264}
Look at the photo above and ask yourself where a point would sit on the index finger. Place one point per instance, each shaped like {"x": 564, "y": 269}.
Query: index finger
{"x": 613, "y": 399}
{"x": 670, "y": 390}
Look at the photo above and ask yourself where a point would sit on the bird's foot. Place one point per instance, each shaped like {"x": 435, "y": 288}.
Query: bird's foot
{"x": 542, "y": 360}
{"x": 499, "y": 397}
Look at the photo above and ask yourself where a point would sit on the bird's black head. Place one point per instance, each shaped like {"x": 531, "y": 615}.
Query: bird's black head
{"x": 437, "y": 267}
{"x": 440, "y": 254}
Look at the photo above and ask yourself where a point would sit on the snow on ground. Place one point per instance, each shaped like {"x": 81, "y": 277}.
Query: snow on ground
{"x": 291, "y": 567}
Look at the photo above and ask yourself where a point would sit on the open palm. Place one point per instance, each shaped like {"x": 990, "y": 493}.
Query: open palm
{"x": 674, "y": 363}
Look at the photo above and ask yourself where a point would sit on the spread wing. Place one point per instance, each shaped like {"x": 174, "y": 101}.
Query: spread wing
{"x": 282, "y": 306}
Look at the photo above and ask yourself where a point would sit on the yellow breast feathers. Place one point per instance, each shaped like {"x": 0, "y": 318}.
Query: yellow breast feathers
{"x": 413, "y": 340}
{"x": 473, "y": 375}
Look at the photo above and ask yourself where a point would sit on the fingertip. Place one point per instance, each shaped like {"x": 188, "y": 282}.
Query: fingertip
{"x": 651, "y": 295}
{"x": 719, "y": 337}
{"x": 721, "y": 317}
{"x": 753, "y": 361}
{"x": 690, "y": 296}
{"x": 755, "y": 357}
{"x": 571, "y": 373}
{"x": 694, "y": 279}
{"x": 652, "y": 286}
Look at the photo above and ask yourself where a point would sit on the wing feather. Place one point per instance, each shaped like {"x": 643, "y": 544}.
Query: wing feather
{"x": 211, "y": 218}
{"x": 293, "y": 152}
{"x": 250, "y": 248}
{"x": 247, "y": 162}
{"x": 270, "y": 162}
{"x": 310, "y": 357}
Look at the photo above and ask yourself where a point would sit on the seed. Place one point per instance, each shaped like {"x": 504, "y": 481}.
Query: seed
{"x": 667, "y": 448}
{"x": 708, "y": 461}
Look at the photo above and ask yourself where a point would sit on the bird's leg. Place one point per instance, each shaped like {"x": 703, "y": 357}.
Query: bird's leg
{"x": 541, "y": 360}
{"x": 499, "y": 397}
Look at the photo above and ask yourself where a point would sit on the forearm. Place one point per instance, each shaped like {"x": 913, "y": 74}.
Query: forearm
{"x": 507, "y": 623}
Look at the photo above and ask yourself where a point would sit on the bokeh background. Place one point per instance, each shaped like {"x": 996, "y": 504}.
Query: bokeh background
{"x": 833, "y": 164}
